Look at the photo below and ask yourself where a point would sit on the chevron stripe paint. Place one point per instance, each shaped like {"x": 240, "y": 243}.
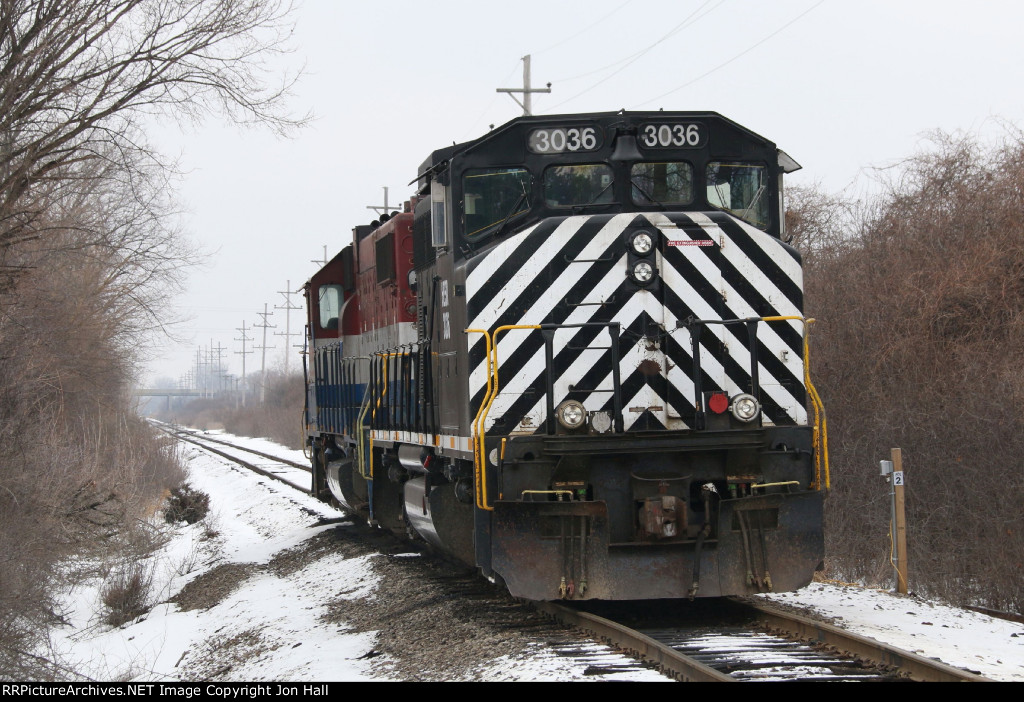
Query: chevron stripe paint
{"x": 574, "y": 271}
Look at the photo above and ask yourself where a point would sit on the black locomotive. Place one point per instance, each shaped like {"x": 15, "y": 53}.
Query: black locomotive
{"x": 576, "y": 359}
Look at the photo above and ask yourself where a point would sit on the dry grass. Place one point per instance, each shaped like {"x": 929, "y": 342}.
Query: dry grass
{"x": 126, "y": 593}
{"x": 186, "y": 504}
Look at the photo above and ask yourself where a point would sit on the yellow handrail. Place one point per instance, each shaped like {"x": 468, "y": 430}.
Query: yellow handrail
{"x": 820, "y": 433}
{"x": 494, "y": 394}
{"x": 373, "y": 415}
{"x": 821, "y": 436}
{"x": 359, "y": 436}
{"x": 477, "y": 442}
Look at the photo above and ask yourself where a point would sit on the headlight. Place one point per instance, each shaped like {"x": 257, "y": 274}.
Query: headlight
{"x": 643, "y": 272}
{"x": 571, "y": 414}
{"x": 745, "y": 407}
{"x": 642, "y": 243}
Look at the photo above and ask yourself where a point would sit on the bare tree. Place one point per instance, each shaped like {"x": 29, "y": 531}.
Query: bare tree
{"x": 77, "y": 75}
{"x": 818, "y": 223}
{"x": 88, "y": 254}
{"x": 919, "y": 345}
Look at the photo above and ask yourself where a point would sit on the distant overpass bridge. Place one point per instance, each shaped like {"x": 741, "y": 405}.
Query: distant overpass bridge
{"x": 170, "y": 393}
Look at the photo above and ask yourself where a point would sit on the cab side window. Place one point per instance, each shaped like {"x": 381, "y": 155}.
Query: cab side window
{"x": 329, "y": 297}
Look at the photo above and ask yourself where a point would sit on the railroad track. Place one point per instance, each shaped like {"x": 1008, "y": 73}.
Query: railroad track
{"x": 770, "y": 645}
{"x": 203, "y": 442}
{"x": 177, "y": 431}
{"x": 598, "y": 659}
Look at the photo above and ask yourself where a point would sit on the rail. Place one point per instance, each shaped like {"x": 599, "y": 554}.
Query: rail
{"x": 256, "y": 452}
{"x": 200, "y": 442}
{"x": 915, "y": 666}
{"x": 678, "y": 664}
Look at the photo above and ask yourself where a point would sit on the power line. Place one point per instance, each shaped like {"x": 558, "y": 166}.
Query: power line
{"x": 620, "y": 61}
{"x": 739, "y": 55}
{"x": 585, "y": 29}
{"x": 692, "y": 18}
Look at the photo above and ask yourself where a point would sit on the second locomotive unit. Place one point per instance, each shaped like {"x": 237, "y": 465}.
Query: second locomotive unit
{"x": 576, "y": 359}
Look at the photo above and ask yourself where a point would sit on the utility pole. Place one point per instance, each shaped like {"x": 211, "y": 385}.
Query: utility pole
{"x": 245, "y": 338}
{"x": 526, "y": 90}
{"x": 288, "y": 307}
{"x": 379, "y": 209}
{"x": 200, "y": 375}
{"x": 263, "y": 364}
{"x": 208, "y": 370}
{"x": 898, "y": 482}
{"x": 219, "y": 370}
{"x": 324, "y": 262}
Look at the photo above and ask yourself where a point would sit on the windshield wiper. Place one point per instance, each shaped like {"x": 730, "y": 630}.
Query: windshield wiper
{"x": 748, "y": 211}
{"x": 647, "y": 195}
{"x": 593, "y": 201}
{"x": 515, "y": 208}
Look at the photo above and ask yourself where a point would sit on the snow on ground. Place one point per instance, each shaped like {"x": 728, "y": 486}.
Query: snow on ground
{"x": 272, "y": 624}
{"x": 961, "y": 638}
{"x": 253, "y": 522}
{"x": 271, "y": 627}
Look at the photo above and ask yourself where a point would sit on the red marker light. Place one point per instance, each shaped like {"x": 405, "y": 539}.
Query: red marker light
{"x": 718, "y": 403}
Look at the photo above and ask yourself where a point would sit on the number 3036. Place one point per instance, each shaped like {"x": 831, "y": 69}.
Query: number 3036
{"x": 557, "y": 140}
{"x": 665, "y": 135}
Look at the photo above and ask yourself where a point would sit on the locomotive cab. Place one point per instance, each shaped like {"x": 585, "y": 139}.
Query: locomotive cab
{"x": 540, "y": 167}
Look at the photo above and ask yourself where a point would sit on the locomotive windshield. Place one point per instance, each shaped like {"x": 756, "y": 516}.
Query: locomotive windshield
{"x": 740, "y": 189}
{"x": 493, "y": 195}
{"x": 542, "y": 167}
{"x": 668, "y": 183}
{"x": 572, "y": 185}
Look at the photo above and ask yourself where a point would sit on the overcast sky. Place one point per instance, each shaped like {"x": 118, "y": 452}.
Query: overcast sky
{"x": 843, "y": 87}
